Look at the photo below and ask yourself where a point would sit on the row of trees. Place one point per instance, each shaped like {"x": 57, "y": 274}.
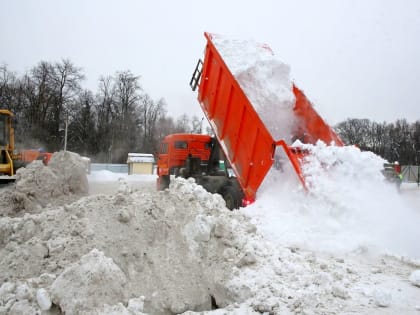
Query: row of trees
{"x": 118, "y": 118}
{"x": 398, "y": 141}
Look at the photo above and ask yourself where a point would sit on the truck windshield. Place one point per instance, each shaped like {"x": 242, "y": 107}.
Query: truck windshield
{"x": 181, "y": 145}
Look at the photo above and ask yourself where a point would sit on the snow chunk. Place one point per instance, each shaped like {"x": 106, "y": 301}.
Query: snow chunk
{"x": 382, "y": 298}
{"x": 89, "y": 283}
{"x": 136, "y": 305}
{"x": 415, "y": 278}
{"x": 43, "y": 299}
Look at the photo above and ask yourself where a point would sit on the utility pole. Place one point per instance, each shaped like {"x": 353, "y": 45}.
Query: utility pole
{"x": 201, "y": 126}
{"x": 65, "y": 133}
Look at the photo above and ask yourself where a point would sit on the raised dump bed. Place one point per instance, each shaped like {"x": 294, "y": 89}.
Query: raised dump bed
{"x": 245, "y": 139}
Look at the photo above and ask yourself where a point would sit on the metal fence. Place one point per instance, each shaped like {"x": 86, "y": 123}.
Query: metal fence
{"x": 115, "y": 168}
{"x": 411, "y": 173}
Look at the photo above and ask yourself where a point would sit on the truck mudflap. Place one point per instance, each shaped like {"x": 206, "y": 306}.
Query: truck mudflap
{"x": 244, "y": 138}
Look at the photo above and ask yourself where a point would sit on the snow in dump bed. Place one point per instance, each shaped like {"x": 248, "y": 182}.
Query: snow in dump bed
{"x": 264, "y": 79}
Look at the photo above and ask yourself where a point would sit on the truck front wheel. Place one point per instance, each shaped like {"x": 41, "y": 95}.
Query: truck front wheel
{"x": 163, "y": 182}
{"x": 232, "y": 197}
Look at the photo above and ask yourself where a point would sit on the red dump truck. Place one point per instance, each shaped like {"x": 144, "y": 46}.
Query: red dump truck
{"x": 246, "y": 143}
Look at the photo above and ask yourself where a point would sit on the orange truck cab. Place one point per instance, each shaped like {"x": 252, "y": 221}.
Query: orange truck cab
{"x": 197, "y": 156}
{"x": 174, "y": 150}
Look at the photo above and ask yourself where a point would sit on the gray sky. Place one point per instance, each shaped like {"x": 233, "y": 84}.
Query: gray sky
{"x": 353, "y": 58}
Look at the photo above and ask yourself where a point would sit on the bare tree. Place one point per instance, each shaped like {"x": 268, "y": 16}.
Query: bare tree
{"x": 183, "y": 124}
{"x": 197, "y": 124}
{"x": 105, "y": 100}
{"x": 150, "y": 112}
{"x": 82, "y": 132}
{"x": 66, "y": 79}
{"x": 125, "y": 121}
{"x": 8, "y": 85}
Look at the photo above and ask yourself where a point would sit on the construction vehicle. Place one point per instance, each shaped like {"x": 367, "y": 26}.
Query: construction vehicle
{"x": 10, "y": 159}
{"x": 7, "y": 145}
{"x": 198, "y": 156}
{"x": 27, "y": 156}
{"x": 245, "y": 141}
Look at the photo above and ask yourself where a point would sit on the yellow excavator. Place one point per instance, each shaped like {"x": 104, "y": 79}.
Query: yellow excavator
{"x": 11, "y": 159}
{"x": 7, "y": 145}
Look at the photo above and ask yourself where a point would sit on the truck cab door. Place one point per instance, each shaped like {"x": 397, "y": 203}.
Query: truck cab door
{"x": 163, "y": 160}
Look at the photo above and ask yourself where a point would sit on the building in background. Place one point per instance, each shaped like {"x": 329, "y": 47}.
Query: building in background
{"x": 140, "y": 163}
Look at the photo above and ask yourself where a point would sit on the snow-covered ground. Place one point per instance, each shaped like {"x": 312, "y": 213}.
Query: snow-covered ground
{"x": 118, "y": 246}
{"x": 107, "y": 182}
{"x": 326, "y": 255}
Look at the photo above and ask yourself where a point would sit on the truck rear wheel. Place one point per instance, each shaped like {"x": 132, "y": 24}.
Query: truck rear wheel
{"x": 232, "y": 197}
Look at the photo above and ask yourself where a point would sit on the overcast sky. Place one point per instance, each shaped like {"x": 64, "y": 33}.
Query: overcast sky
{"x": 353, "y": 58}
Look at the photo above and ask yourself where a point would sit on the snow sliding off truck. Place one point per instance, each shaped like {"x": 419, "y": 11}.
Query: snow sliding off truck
{"x": 241, "y": 137}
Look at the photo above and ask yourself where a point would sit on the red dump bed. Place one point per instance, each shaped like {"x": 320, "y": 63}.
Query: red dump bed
{"x": 312, "y": 127}
{"x": 246, "y": 141}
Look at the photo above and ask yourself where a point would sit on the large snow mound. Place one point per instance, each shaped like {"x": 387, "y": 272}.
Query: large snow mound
{"x": 171, "y": 252}
{"x": 170, "y": 247}
{"x": 37, "y": 185}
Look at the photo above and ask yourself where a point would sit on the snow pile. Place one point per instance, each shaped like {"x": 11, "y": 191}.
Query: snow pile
{"x": 415, "y": 278}
{"x": 349, "y": 207}
{"x": 71, "y": 169}
{"x": 37, "y": 185}
{"x": 264, "y": 79}
{"x": 172, "y": 252}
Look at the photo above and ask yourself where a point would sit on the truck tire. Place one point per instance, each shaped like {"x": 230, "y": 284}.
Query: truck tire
{"x": 163, "y": 182}
{"x": 232, "y": 197}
